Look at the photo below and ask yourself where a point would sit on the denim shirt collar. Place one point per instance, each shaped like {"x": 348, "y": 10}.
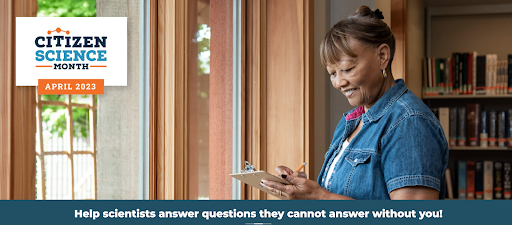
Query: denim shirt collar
{"x": 382, "y": 105}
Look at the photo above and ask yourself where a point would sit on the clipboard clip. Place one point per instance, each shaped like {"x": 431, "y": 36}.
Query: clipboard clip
{"x": 248, "y": 168}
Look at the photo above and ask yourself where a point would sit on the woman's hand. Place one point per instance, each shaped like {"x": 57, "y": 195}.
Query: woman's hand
{"x": 300, "y": 187}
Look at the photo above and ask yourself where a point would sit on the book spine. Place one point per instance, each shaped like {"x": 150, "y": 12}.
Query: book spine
{"x": 509, "y": 74}
{"x": 475, "y": 54}
{"x": 462, "y": 127}
{"x": 470, "y": 180}
{"x": 488, "y": 74}
{"x": 470, "y": 73}
{"x": 480, "y": 74}
{"x": 462, "y": 179}
{"x": 484, "y": 130}
{"x": 492, "y": 129}
{"x": 449, "y": 186}
{"x": 453, "y": 126}
{"x": 450, "y": 85}
{"x": 507, "y": 185}
{"x": 456, "y": 73}
{"x": 425, "y": 76}
{"x": 494, "y": 71}
{"x": 479, "y": 180}
{"x": 509, "y": 128}
{"x": 488, "y": 183}
{"x": 438, "y": 75}
{"x": 444, "y": 119}
{"x": 498, "y": 180}
{"x": 473, "y": 122}
{"x": 463, "y": 70}
{"x": 502, "y": 137}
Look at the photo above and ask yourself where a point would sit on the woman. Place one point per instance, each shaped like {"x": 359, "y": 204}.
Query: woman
{"x": 391, "y": 146}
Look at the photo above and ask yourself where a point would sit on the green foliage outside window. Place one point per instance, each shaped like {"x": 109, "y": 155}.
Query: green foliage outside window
{"x": 66, "y": 8}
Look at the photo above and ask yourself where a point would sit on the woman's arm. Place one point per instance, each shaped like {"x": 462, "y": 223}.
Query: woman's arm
{"x": 414, "y": 193}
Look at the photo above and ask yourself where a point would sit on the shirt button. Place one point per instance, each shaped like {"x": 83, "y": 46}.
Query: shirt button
{"x": 355, "y": 160}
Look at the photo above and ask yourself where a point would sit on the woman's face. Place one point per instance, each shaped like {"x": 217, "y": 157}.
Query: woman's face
{"x": 359, "y": 78}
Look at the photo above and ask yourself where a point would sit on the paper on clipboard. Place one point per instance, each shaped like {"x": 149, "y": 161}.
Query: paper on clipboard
{"x": 251, "y": 177}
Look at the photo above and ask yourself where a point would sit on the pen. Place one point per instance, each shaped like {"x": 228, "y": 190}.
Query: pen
{"x": 301, "y": 166}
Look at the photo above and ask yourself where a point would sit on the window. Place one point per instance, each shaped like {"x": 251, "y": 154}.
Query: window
{"x": 66, "y": 128}
{"x": 66, "y": 157}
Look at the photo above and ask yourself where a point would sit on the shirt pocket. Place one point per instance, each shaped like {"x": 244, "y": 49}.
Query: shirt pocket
{"x": 357, "y": 158}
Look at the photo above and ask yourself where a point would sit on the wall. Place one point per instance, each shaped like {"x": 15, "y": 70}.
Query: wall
{"x": 118, "y": 116}
{"x": 338, "y": 103}
{"x": 415, "y": 45}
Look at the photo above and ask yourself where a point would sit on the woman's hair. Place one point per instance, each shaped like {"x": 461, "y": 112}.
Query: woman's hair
{"x": 366, "y": 26}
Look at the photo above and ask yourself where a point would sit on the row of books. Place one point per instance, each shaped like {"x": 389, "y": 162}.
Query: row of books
{"x": 480, "y": 180}
{"x": 472, "y": 126}
{"x": 467, "y": 74}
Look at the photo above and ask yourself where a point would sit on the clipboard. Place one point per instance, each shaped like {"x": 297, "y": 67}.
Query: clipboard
{"x": 251, "y": 177}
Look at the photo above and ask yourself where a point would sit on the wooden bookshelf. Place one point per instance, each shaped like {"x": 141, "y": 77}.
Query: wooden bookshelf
{"x": 465, "y": 96}
{"x": 465, "y": 148}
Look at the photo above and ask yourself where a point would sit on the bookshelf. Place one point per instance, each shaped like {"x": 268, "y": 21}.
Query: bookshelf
{"x": 466, "y": 96}
{"x": 466, "y": 28}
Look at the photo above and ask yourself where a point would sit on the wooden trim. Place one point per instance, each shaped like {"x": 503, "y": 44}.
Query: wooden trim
{"x": 70, "y": 156}
{"x": 153, "y": 65}
{"x": 254, "y": 66}
{"x": 17, "y": 111}
{"x": 6, "y": 81}
{"x": 168, "y": 101}
{"x": 399, "y": 29}
{"x": 243, "y": 110}
{"x": 309, "y": 87}
{"x": 92, "y": 134}
{"x": 42, "y": 185}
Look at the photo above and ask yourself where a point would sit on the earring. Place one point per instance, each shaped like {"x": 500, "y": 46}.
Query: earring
{"x": 384, "y": 73}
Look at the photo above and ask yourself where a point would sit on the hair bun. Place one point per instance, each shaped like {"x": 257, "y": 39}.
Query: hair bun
{"x": 378, "y": 13}
{"x": 365, "y": 11}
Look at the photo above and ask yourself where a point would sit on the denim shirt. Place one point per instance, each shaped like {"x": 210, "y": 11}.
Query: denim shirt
{"x": 400, "y": 144}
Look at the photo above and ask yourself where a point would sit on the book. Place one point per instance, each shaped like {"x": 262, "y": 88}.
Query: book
{"x": 488, "y": 181}
{"x": 473, "y": 124}
{"x": 488, "y": 74}
{"x": 498, "y": 180}
{"x": 480, "y": 74}
{"x": 461, "y": 138}
{"x": 456, "y": 83}
{"x": 469, "y": 73}
{"x": 470, "y": 179}
{"x": 453, "y": 126}
{"x": 493, "y": 129}
{"x": 462, "y": 179}
{"x": 502, "y": 133}
{"x": 509, "y": 68}
{"x": 484, "y": 130}
{"x": 510, "y": 127}
{"x": 479, "y": 180}
{"x": 444, "y": 117}
{"x": 463, "y": 70}
{"x": 473, "y": 63}
{"x": 449, "y": 187}
{"x": 507, "y": 185}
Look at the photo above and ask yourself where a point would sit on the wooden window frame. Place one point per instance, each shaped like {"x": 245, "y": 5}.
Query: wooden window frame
{"x": 70, "y": 153}
{"x": 168, "y": 165}
{"x": 17, "y": 111}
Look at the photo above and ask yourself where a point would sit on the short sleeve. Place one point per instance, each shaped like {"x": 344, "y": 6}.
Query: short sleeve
{"x": 414, "y": 153}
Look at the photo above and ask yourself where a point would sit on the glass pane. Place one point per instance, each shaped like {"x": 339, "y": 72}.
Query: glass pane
{"x": 83, "y": 165}
{"x": 55, "y": 128}
{"x": 199, "y": 103}
{"x": 82, "y": 99}
{"x": 81, "y": 129}
{"x": 58, "y": 177}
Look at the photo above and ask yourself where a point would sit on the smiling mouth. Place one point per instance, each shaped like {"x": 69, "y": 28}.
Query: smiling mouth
{"x": 349, "y": 92}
